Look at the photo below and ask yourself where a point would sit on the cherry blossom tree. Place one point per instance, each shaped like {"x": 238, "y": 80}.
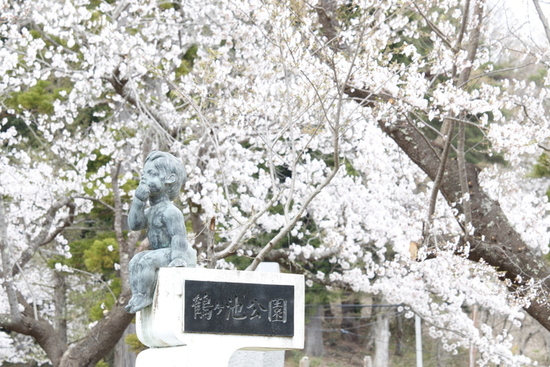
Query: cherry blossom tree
{"x": 316, "y": 135}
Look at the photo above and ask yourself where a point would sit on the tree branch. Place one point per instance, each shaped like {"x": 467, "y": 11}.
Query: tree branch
{"x": 495, "y": 240}
{"x": 437, "y": 181}
{"x": 473, "y": 43}
{"x": 97, "y": 201}
{"x": 126, "y": 252}
{"x": 463, "y": 178}
{"x": 543, "y": 19}
{"x": 436, "y": 30}
{"x": 7, "y": 276}
{"x": 45, "y": 236}
{"x": 237, "y": 241}
{"x": 120, "y": 85}
{"x": 288, "y": 227}
{"x": 472, "y": 47}
{"x": 41, "y": 330}
{"x": 101, "y": 338}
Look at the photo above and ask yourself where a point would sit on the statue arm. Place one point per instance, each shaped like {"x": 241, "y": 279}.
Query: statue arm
{"x": 178, "y": 244}
{"x": 136, "y": 218}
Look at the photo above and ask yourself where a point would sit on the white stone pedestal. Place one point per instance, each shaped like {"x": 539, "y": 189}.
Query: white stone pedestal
{"x": 161, "y": 326}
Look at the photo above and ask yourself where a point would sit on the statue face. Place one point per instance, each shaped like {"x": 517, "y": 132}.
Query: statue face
{"x": 152, "y": 178}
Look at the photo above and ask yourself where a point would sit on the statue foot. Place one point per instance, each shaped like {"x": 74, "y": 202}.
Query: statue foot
{"x": 138, "y": 302}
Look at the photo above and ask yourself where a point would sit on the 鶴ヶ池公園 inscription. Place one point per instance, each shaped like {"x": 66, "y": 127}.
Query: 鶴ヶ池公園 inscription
{"x": 239, "y": 308}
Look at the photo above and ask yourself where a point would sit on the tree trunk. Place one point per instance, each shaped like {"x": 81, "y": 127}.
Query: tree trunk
{"x": 400, "y": 343}
{"x": 494, "y": 240}
{"x": 314, "y": 334}
{"x": 60, "y": 323}
{"x": 101, "y": 338}
{"x": 336, "y": 311}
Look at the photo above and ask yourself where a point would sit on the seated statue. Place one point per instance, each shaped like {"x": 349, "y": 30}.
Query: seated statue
{"x": 161, "y": 181}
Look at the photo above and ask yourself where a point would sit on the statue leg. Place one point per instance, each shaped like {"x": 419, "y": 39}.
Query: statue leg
{"x": 134, "y": 271}
{"x": 143, "y": 277}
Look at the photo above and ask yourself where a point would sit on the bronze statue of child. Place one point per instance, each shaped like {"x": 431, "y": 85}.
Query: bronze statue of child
{"x": 161, "y": 181}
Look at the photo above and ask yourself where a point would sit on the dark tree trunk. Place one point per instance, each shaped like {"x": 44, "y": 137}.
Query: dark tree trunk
{"x": 100, "y": 340}
{"x": 400, "y": 342}
{"x": 494, "y": 240}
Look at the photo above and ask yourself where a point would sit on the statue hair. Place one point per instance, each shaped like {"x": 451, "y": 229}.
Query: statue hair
{"x": 169, "y": 165}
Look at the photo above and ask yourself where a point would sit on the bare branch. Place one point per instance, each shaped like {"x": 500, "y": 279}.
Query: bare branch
{"x": 438, "y": 180}
{"x": 424, "y": 136}
{"x": 493, "y": 72}
{"x": 234, "y": 245}
{"x": 60, "y": 321}
{"x": 463, "y": 177}
{"x": 436, "y": 30}
{"x": 126, "y": 252}
{"x": 41, "y": 330}
{"x": 464, "y": 24}
{"x": 5, "y": 255}
{"x": 123, "y": 88}
{"x": 472, "y": 47}
{"x": 496, "y": 242}
{"x": 543, "y": 19}
{"x": 97, "y": 278}
{"x": 97, "y": 201}
{"x": 289, "y": 225}
{"x": 34, "y": 308}
{"x": 45, "y": 236}
{"x": 473, "y": 43}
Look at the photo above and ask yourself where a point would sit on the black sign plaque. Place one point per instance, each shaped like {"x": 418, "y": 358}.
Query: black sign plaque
{"x": 239, "y": 308}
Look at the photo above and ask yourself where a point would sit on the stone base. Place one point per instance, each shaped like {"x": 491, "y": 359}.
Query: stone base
{"x": 187, "y": 357}
{"x": 248, "y": 358}
{"x": 161, "y": 326}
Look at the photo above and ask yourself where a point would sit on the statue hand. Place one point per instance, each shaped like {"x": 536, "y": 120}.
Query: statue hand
{"x": 178, "y": 262}
{"x": 142, "y": 192}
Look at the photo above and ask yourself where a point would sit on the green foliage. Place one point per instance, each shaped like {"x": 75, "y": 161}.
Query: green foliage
{"x": 102, "y": 363}
{"x": 317, "y": 294}
{"x": 478, "y": 149}
{"x": 348, "y": 11}
{"x": 24, "y": 130}
{"x": 89, "y": 115}
{"x": 106, "y": 302}
{"x": 80, "y": 250}
{"x": 538, "y": 76}
{"x": 187, "y": 61}
{"x": 350, "y": 170}
{"x": 101, "y": 256}
{"x": 423, "y": 44}
{"x": 100, "y": 213}
{"x": 96, "y": 255}
{"x": 38, "y": 98}
{"x": 135, "y": 345}
{"x": 95, "y": 3}
{"x": 240, "y": 262}
{"x": 542, "y": 167}
{"x": 163, "y": 4}
{"x": 100, "y": 161}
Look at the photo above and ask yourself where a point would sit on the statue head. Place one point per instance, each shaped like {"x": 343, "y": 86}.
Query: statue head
{"x": 172, "y": 170}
